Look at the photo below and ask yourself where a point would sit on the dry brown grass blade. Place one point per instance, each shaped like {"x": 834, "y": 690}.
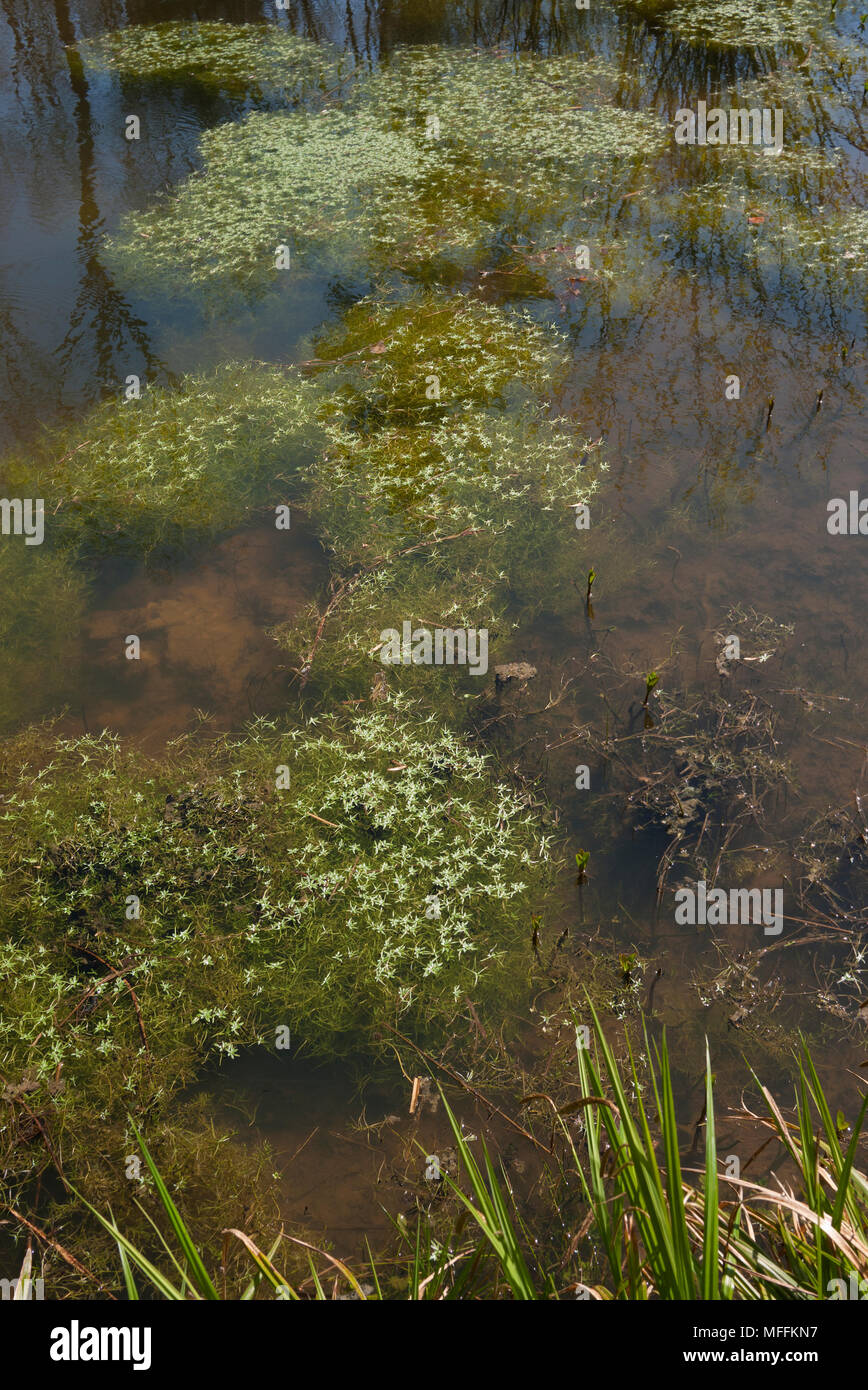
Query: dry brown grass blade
{"x": 462, "y": 1255}
{"x": 260, "y": 1259}
{"x": 846, "y": 1239}
{"x": 332, "y": 1259}
{"x": 56, "y": 1246}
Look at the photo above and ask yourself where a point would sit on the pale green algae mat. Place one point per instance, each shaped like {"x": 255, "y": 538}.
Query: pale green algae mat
{"x": 359, "y": 864}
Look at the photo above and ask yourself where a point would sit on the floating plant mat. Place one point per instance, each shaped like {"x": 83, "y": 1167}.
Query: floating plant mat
{"x": 179, "y": 462}
{"x": 371, "y": 184}
{"x": 510, "y": 149}
{"x": 234, "y": 58}
{"x": 739, "y": 23}
{"x": 398, "y": 479}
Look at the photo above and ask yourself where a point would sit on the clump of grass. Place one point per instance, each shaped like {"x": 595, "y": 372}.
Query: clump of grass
{"x": 42, "y": 597}
{"x": 233, "y": 58}
{"x": 178, "y": 463}
{"x": 657, "y": 1232}
{"x": 665, "y": 1237}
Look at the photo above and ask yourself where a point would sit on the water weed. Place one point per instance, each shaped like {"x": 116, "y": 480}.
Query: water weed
{"x": 234, "y": 58}
{"x": 175, "y": 464}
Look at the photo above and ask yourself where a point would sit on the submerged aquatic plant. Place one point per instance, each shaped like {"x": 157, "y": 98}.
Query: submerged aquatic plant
{"x": 476, "y": 470}
{"x": 326, "y": 183}
{"x": 832, "y": 855}
{"x": 283, "y": 876}
{"x": 417, "y": 359}
{"x": 176, "y": 463}
{"x": 442, "y": 484}
{"x": 234, "y": 58}
{"x": 737, "y": 23}
{"x": 157, "y": 915}
{"x": 708, "y": 769}
{"x": 516, "y": 126}
{"x": 375, "y": 182}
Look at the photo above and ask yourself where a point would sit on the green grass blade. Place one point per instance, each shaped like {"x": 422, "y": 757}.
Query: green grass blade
{"x": 199, "y": 1273}
{"x": 711, "y": 1214}
{"x": 492, "y": 1215}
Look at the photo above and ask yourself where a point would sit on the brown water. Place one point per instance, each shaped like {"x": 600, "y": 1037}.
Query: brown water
{"x": 706, "y": 506}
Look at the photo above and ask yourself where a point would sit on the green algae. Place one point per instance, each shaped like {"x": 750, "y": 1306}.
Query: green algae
{"x": 234, "y": 58}
{"x": 175, "y": 464}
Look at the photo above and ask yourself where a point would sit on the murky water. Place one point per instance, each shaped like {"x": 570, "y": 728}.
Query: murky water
{"x": 709, "y": 504}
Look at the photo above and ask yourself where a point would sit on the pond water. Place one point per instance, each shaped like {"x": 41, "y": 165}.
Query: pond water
{"x": 711, "y": 519}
